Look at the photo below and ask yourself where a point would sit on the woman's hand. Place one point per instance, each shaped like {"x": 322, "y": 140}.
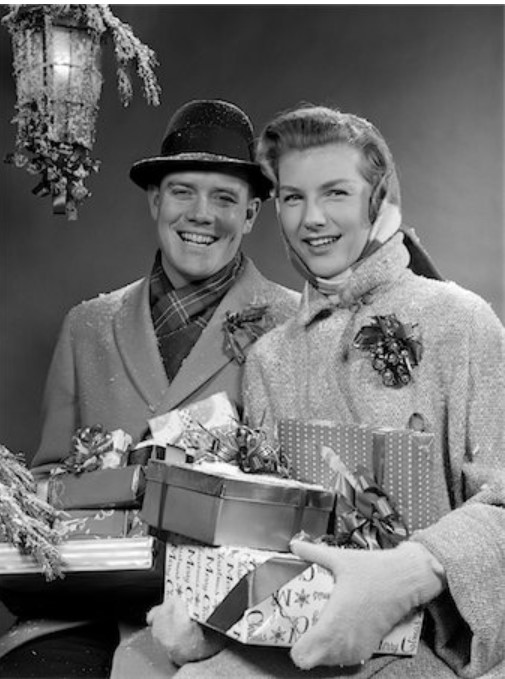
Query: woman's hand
{"x": 183, "y": 639}
{"x": 373, "y": 591}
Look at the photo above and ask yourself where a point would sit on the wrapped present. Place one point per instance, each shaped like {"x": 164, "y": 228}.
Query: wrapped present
{"x": 79, "y": 524}
{"x": 194, "y": 425}
{"x": 261, "y": 598}
{"x": 101, "y": 489}
{"x": 148, "y": 450}
{"x": 96, "y": 448}
{"x": 400, "y": 460}
{"x": 217, "y": 504}
{"x": 117, "y": 575}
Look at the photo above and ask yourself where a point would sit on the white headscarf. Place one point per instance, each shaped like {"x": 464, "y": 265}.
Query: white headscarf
{"x": 386, "y": 224}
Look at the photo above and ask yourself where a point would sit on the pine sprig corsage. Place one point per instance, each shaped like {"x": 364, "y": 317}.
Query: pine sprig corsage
{"x": 26, "y": 521}
{"x": 242, "y": 327}
{"x": 393, "y": 347}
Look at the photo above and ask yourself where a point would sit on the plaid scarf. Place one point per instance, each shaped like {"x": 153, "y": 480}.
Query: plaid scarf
{"x": 179, "y": 316}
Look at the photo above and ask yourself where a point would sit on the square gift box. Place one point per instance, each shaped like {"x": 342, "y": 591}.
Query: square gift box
{"x": 401, "y": 460}
{"x": 260, "y": 597}
{"x": 103, "y": 488}
{"x": 244, "y": 509}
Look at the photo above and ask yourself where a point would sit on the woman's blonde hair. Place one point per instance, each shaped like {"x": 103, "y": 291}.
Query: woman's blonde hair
{"x": 309, "y": 126}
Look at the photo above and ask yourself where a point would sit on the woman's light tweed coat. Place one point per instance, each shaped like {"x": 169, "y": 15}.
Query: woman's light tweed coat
{"x": 307, "y": 369}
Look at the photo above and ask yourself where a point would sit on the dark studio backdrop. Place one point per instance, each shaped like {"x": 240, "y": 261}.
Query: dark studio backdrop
{"x": 430, "y": 77}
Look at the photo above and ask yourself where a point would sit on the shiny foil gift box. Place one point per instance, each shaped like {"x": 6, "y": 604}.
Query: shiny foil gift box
{"x": 243, "y": 509}
{"x": 117, "y": 575}
{"x": 401, "y": 461}
{"x": 260, "y": 597}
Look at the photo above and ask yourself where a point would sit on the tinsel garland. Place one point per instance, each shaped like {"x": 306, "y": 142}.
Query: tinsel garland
{"x": 26, "y": 521}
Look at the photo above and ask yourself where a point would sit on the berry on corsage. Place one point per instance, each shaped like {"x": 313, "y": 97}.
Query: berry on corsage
{"x": 393, "y": 348}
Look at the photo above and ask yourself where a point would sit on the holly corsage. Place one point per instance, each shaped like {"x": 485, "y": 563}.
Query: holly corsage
{"x": 393, "y": 347}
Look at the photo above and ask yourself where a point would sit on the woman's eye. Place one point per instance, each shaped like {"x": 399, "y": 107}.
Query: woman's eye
{"x": 337, "y": 193}
{"x": 291, "y": 198}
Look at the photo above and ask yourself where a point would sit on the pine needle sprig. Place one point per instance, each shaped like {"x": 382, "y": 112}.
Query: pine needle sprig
{"x": 26, "y": 521}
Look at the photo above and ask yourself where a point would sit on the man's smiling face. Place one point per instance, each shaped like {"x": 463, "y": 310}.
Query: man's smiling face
{"x": 201, "y": 218}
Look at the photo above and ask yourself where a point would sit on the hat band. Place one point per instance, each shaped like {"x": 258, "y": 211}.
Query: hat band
{"x": 204, "y": 139}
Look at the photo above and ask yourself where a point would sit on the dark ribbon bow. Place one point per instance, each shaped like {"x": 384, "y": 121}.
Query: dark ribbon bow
{"x": 242, "y": 327}
{"x": 250, "y": 450}
{"x": 366, "y": 517}
{"x": 89, "y": 444}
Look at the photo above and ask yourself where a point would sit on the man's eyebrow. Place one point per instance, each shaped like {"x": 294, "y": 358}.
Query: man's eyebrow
{"x": 179, "y": 182}
{"x": 225, "y": 189}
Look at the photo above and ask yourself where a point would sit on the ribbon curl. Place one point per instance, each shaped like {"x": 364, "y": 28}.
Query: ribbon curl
{"x": 255, "y": 320}
{"x": 249, "y": 449}
{"x": 366, "y": 517}
{"x": 89, "y": 445}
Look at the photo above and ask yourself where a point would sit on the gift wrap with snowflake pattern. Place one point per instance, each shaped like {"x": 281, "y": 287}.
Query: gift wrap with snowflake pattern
{"x": 260, "y": 597}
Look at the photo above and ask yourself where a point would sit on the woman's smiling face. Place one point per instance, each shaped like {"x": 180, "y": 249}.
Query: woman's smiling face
{"x": 322, "y": 204}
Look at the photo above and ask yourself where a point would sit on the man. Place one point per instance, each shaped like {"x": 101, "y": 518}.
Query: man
{"x": 161, "y": 342}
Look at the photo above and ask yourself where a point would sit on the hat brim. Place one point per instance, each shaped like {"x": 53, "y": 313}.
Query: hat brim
{"x": 151, "y": 171}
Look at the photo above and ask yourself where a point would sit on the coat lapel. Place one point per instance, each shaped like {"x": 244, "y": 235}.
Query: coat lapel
{"x": 137, "y": 344}
{"x": 207, "y": 357}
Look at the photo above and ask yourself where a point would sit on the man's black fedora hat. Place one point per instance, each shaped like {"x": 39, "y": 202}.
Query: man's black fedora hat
{"x": 209, "y": 135}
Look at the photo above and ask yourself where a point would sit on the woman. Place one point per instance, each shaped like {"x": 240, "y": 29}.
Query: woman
{"x": 338, "y": 205}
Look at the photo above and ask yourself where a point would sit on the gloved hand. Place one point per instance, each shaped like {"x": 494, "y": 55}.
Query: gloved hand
{"x": 373, "y": 591}
{"x": 183, "y": 639}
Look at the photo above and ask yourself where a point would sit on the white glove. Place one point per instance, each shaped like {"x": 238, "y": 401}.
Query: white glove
{"x": 373, "y": 591}
{"x": 183, "y": 639}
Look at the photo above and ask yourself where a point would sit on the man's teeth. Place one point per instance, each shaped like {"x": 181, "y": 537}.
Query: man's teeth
{"x": 198, "y": 238}
{"x": 322, "y": 240}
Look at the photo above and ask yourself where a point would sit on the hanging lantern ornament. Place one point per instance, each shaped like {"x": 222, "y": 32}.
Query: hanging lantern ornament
{"x": 56, "y": 59}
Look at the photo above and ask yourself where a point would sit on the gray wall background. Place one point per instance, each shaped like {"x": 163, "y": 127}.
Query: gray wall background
{"x": 430, "y": 77}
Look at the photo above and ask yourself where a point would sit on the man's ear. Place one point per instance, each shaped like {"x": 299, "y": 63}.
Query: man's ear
{"x": 251, "y": 213}
{"x": 153, "y": 199}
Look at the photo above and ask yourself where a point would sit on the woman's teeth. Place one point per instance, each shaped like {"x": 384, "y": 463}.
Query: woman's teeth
{"x": 322, "y": 240}
{"x": 197, "y": 238}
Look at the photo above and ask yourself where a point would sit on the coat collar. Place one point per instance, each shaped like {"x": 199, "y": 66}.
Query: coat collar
{"x": 382, "y": 268}
{"x": 137, "y": 344}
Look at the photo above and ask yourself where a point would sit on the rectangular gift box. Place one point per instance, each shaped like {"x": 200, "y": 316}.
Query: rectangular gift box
{"x": 401, "y": 460}
{"x": 101, "y": 489}
{"x": 92, "y": 524}
{"x": 260, "y": 597}
{"x": 124, "y": 575}
{"x": 215, "y": 413}
{"x": 221, "y": 510}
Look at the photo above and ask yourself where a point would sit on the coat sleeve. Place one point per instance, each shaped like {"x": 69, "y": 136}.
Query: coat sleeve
{"x": 469, "y": 542}
{"x": 59, "y": 407}
{"x": 255, "y": 392}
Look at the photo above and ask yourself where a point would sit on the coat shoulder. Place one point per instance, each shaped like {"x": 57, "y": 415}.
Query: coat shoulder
{"x": 100, "y": 310}
{"x": 283, "y": 301}
{"x": 104, "y": 305}
{"x": 448, "y": 301}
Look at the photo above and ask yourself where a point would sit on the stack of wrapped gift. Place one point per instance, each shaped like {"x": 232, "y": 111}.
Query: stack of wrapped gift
{"x": 227, "y": 552}
{"x": 401, "y": 460}
{"x": 108, "y": 558}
